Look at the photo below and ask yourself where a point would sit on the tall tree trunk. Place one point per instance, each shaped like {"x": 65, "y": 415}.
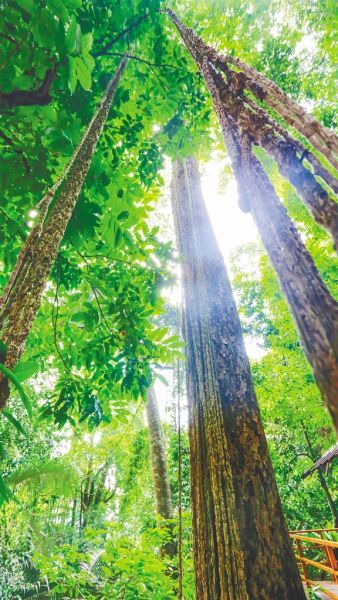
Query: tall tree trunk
{"x": 159, "y": 468}
{"x": 284, "y": 150}
{"x": 237, "y": 516}
{"x": 323, "y": 139}
{"x": 313, "y": 308}
{"x": 36, "y": 261}
{"x": 263, "y": 130}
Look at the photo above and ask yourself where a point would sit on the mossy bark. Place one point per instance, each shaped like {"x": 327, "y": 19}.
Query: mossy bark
{"x": 237, "y": 517}
{"x": 37, "y": 258}
{"x": 321, "y": 138}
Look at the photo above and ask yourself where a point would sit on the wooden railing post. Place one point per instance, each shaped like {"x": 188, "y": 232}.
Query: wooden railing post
{"x": 333, "y": 562}
{"x": 326, "y": 551}
{"x": 302, "y": 562}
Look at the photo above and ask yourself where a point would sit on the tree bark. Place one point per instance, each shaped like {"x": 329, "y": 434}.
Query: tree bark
{"x": 237, "y": 517}
{"x": 264, "y": 131}
{"x": 314, "y": 310}
{"x": 41, "y": 257}
{"x": 159, "y": 468}
{"x": 321, "y": 138}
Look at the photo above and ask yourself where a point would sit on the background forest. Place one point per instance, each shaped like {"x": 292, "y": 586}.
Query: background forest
{"x": 78, "y": 515}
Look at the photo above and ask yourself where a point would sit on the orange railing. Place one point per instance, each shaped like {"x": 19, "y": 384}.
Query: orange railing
{"x": 318, "y": 572}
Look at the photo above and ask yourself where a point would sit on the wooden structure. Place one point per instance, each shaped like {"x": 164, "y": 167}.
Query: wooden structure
{"x": 323, "y": 461}
{"x": 317, "y": 559}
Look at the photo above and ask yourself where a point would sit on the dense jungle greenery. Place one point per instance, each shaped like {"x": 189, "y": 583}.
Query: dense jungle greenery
{"x": 78, "y": 511}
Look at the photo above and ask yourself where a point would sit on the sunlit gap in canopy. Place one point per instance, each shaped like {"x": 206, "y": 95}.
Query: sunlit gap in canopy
{"x": 233, "y": 230}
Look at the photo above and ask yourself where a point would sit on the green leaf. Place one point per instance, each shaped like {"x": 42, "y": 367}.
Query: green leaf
{"x": 58, "y": 8}
{"x": 78, "y": 39}
{"x": 73, "y": 3}
{"x": 118, "y": 237}
{"x": 71, "y": 35}
{"x": 27, "y": 5}
{"x": 83, "y": 74}
{"x": 87, "y": 42}
{"x": 19, "y": 387}
{"x": 79, "y": 317}
{"x": 24, "y": 370}
{"x": 14, "y": 421}
{"x": 5, "y": 493}
{"x": 47, "y": 27}
{"x": 3, "y": 348}
{"x": 88, "y": 60}
{"x": 72, "y": 79}
{"x": 123, "y": 215}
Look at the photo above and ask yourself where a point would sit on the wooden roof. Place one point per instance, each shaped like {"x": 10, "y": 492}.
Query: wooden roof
{"x": 324, "y": 460}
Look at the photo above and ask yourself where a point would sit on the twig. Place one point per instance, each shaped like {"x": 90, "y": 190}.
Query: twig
{"x": 96, "y": 295}
{"x": 127, "y": 262}
{"x": 120, "y": 35}
{"x": 150, "y": 64}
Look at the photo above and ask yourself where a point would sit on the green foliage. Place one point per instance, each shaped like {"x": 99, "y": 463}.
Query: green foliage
{"x": 15, "y": 380}
{"x": 76, "y": 493}
{"x": 122, "y": 569}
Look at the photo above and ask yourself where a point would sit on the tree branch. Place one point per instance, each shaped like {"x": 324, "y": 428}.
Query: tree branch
{"x": 150, "y": 64}
{"x": 38, "y": 97}
{"x": 120, "y": 35}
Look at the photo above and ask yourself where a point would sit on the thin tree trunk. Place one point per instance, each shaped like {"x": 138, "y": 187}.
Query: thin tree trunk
{"x": 237, "y": 516}
{"x": 265, "y": 131}
{"x": 158, "y": 458}
{"x": 41, "y": 257}
{"x": 314, "y": 310}
{"x": 332, "y": 504}
{"x": 73, "y": 519}
{"x": 24, "y": 259}
{"x": 159, "y": 468}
